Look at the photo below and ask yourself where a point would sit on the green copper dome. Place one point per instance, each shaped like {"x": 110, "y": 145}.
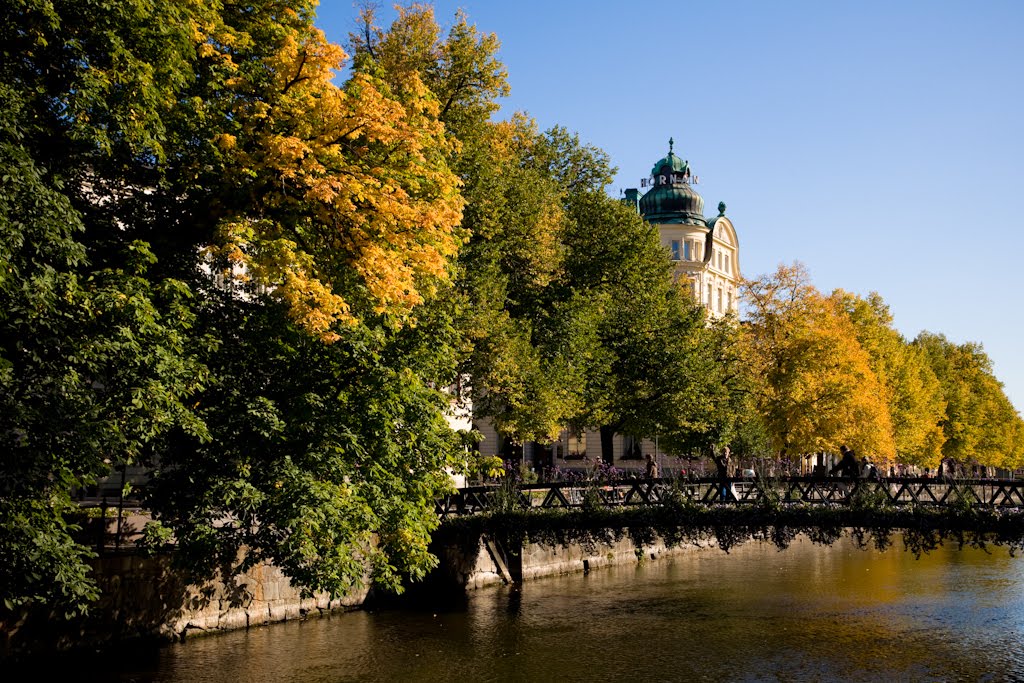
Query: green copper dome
{"x": 670, "y": 164}
{"x": 672, "y": 199}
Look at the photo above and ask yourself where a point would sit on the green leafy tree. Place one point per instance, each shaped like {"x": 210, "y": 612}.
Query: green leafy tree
{"x": 515, "y": 216}
{"x": 659, "y": 369}
{"x": 981, "y": 426}
{"x": 329, "y": 443}
{"x": 324, "y": 459}
{"x": 461, "y": 69}
{"x": 190, "y": 198}
{"x": 94, "y": 366}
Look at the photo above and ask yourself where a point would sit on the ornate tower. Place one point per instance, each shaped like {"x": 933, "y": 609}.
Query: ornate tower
{"x": 705, "y": 251}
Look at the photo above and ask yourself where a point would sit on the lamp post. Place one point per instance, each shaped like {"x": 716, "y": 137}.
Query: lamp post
{"x": 657, "y": 455}
{"x": 120, "y": 506}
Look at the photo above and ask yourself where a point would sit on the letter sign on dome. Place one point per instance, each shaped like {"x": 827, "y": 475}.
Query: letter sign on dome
{"x": 671, "y": 179}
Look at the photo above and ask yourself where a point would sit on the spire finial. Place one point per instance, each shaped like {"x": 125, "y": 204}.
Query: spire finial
{"x": 670, "y": 143}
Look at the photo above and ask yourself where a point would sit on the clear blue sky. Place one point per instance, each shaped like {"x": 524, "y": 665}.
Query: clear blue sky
{"x": 878, "y": 143}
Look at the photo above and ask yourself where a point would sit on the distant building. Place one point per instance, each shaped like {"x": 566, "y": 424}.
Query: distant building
{"x": 705, "y": 251}
{"x": 706, "y": 256}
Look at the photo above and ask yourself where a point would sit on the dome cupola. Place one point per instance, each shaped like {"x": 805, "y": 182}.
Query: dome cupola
{"x": 672, "y": 198}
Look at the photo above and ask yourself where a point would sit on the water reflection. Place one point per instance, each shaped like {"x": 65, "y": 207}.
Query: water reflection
{"x": 805, "y": 614}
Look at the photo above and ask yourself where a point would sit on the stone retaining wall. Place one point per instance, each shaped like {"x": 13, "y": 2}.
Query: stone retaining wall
{"x": 143, "y": 597}
{"x": 491, "y": 562}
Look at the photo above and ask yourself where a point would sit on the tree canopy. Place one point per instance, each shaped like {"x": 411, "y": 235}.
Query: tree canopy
{"x": 909, "y": 385}
{"x": 217, "y": 262}
{"x": 979, "y": 425}
{"x": 833, "y": 370}
{"x": 817, "y": 389}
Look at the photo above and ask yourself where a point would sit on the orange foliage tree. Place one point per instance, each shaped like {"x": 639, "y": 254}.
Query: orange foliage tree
{"x": 813, "y": 381}
{"x": 348, "y": 205}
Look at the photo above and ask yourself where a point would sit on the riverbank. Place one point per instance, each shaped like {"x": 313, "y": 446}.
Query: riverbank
{"x": 767, "y": 613}
{"x": 146, "y": 598}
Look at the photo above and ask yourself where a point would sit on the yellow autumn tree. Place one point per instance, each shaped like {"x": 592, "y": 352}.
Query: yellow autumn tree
{"x": 461, "y": 68}
{"x": 814, "y": 383}
{"x": 910, "y": 387}
{"x": 350, "y": 206}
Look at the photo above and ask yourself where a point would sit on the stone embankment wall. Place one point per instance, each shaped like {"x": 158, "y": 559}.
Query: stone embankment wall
{"x": 144, "y": 597}
{"x": 492, "y": 562}
{"x": 148, "y": 590}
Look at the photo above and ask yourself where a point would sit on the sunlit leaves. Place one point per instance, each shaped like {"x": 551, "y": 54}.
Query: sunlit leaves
{"x": 353, "y": 209}
{"x": 817, "y": 389}
{"x": 835, "y": 371}
{"x": 980, "y": 425}
{"x": 910, "y": 387}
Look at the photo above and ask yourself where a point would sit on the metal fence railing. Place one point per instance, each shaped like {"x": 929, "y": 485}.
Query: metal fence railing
{"x": 898, "y": 491}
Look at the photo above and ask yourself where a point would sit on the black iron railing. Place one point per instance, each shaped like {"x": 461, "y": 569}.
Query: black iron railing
{"x": 901, "y": 491}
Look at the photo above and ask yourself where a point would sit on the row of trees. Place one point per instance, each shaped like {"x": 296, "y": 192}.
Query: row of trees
{"x": 832, "y": 369}
{"x": 222, "y": 259}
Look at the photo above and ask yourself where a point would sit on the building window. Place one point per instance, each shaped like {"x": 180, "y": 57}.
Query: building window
{"x": 576, "y": 449}
{"x": 726, "y": 264}
{"x": 709, "y": 297}
{"x": 696, "y": 292}
{"x": 719, "y": 299}
{"x": 631, "y": 449}
{"x": 686, "y": 250}
{"x": 675, "y": 250}
{"x": 729, "y": 300}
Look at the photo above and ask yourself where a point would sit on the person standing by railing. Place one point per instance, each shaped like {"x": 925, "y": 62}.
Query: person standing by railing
{"x": 868, "y": 470}
{"x": 847, "y": 466}
{"x": 652, "y": 467}
{"x": 848, "y": 469}
{"x": 722, "y": 462}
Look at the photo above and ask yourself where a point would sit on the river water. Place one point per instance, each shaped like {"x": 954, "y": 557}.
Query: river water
{"x": 808, "y": 613}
